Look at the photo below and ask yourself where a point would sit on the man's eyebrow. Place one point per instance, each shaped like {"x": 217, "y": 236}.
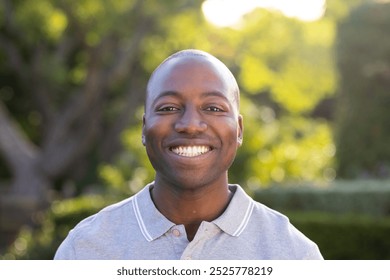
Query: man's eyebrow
{"x": 203, "y": 95}
{"x": 216, "y": 94}
{"x": 164, "y": 94}
{"x": 167, "y": 93}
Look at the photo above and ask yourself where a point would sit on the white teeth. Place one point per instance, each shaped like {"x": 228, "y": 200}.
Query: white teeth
{"x": 190, "y": 151}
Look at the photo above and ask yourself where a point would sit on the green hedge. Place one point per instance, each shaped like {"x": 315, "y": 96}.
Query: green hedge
{"x": 345, "y": 237}
{"x": 366, "y": 197}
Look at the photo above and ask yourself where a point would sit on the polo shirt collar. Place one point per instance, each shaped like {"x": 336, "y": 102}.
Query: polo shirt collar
{"x": 153, "y": 224}
{"x": 236, "y": 216}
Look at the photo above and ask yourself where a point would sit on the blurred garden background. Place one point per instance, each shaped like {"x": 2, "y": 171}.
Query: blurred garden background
{"x": 315, "y": 97}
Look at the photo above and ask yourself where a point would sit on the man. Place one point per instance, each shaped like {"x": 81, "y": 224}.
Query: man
{"x": 191, "y": 130}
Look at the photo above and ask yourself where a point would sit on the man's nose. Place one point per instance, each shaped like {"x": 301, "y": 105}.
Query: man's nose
{"x": 191, "y": 122}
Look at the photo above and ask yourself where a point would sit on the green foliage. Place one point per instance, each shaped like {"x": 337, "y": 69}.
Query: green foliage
{"x": 132, "y": 169}
{"x": 290, "y": 59}
{"x": 185, "y": 28}
{"x": 368, "y": 197}
{"x": 41, "y": 243}
{"x": 337, "y": 10}
{"x": 362, "y": 122}
{"x": 42, "y": 18}
{"x": 345, "y": 237}
{"x": 287, "y": 149}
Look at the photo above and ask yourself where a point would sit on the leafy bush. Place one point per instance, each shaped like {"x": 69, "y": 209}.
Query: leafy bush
{"x": 42, "y": 243}
{"x": 347, "y": 236}
{"x": 368, "y": 197}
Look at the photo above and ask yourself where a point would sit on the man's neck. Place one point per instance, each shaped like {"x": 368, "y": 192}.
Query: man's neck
{"x": 191, "y": 206}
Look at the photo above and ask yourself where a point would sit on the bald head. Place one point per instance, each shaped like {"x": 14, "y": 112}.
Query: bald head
{"x": 192, "y": 56}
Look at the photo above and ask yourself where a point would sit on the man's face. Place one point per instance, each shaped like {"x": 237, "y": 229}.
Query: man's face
{"x": 192, "y": 128}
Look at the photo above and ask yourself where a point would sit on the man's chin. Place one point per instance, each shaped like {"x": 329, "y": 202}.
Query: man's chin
{"x": 192, "y": 182}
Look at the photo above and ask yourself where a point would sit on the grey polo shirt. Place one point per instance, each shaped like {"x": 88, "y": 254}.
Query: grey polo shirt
{"x": 135, "y": 229}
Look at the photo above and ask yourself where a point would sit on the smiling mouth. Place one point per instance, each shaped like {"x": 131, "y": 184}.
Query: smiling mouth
{"x": 190, "y": 151}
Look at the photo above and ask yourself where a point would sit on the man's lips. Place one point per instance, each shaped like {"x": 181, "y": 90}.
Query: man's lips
{"x": 190, "y": 151}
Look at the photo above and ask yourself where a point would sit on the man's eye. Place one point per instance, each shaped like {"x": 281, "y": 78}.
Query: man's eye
{"x": 167, "y": 109}
{"x": 214, "y": 109}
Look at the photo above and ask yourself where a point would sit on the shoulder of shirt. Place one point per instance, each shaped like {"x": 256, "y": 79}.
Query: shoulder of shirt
{"x": 103, "y": 214}
{"x": 263, "y": 209}
{"x": 281, "y": 223}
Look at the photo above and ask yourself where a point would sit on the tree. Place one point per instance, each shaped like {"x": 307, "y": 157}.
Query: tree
{"x": 362, "y": 123}
{"x": 73, "y": 76}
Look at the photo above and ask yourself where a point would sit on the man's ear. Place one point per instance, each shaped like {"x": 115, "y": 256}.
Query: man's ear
{"x": 240, "y": 131}
{"x": 143, "y": 130}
